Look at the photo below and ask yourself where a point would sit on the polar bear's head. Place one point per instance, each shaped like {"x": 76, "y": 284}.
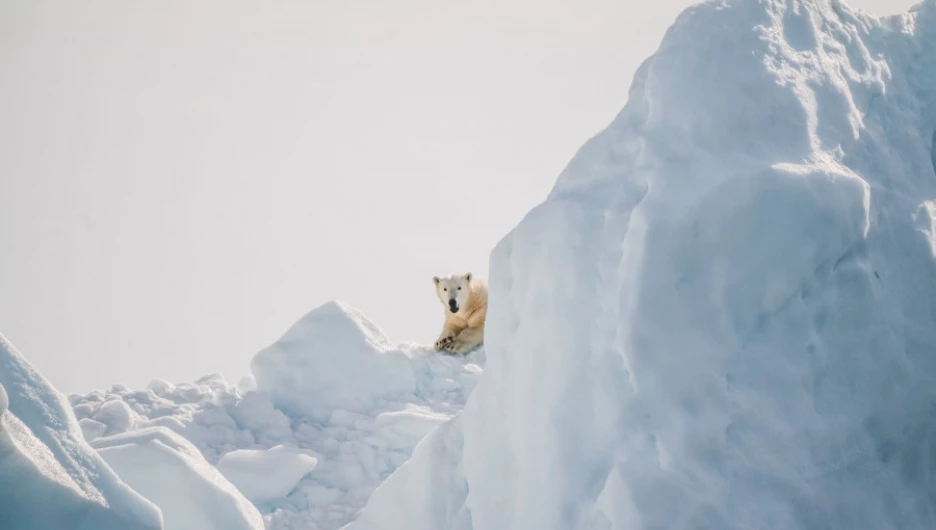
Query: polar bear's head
{"x": 453, "y": 290}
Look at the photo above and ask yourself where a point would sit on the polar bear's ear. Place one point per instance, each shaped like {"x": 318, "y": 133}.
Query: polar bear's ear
{"x": 468, "y": 277}
{"x": 435, "y": 280}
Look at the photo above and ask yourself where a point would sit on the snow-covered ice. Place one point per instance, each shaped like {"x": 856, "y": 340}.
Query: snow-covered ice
{"x": 724, "y": 314}
{"x": 92, "y": 429}
{"x": 264, "y": 475}
{"x": 333, "y": 410}
{"x": 116, "y": 415}
{"x": 172, "y": 473}
{"x": 49, "y": 476}
{"x": 333, "y": 358}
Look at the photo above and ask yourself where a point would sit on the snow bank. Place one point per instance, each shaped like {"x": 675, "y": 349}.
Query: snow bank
{"x": 266, "y": 475}
{"x": 731, "y": 322}
{"x": 173, "y": 474}
{"x": 49, "y": 477}
{"x": 358, "y": 435}
{"x": 334, "y": 357}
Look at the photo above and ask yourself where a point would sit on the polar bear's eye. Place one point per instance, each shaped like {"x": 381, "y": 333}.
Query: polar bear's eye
{"x": 445, "y": 289}
{"x": 459, "y": 288}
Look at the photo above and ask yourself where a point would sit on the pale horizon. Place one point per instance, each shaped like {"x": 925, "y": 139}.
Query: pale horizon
{"x": 183, "y": 181}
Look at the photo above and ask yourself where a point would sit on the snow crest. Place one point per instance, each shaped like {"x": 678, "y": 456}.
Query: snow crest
{"x": 723, "y": 314}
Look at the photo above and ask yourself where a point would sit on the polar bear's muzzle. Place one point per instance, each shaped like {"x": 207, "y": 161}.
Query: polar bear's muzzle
{"x": 453, "y": 305}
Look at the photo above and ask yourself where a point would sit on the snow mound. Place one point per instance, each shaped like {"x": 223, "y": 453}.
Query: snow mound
{"x": 731, "y": 323}
{"x": 358, "y": 440}
{"x": 49, "y": 477}
{"x": 173, "y": 474}
{"x": 266, "y": 475}
{"x": 334, "y": 357}
{"x": 116, "y": 415}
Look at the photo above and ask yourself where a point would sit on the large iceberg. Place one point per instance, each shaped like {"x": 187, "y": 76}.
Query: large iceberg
{"x": 724, "y": 314}
{"x": 49, "y": 477}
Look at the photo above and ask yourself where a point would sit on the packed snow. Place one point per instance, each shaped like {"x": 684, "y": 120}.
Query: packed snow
{"x": 724, "y": 314}
{"x": 332, "y": 410}
{"x": 49, "y": 476}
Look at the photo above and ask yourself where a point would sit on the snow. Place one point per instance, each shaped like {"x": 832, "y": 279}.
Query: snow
{"x": 431, "y": 491}
{"x": 92, "y": 429}
{"x": 333, "y": 408}
{"x": 173, "y": 474}
{"x": 723, "y": 314}
{"x": 303, "y": 375}
{"x": 266, "y": 475}
{"x": 49, "y": 476}
{"x": 116, "y": 415}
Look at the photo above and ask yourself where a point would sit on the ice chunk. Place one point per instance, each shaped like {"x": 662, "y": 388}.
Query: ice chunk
{"x": 170, "y": 472}
{"x": 116, "y": 415}
{"x": 263, "y": 476}
{"x": 91, "y": 429}
{"x": 334, "y": 357}
{"x": 255, "y": 412}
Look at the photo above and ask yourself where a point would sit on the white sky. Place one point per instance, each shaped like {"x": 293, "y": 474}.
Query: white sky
{"x": 180, "y": 181}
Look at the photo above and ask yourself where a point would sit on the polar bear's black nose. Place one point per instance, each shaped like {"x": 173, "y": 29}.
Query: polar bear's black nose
{"x": 453, "y": 306}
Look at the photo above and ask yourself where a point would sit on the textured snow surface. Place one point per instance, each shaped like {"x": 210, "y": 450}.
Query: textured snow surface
{"x": 724, "y": 314}
{"x": 172, "y": 473}
{"x": 49, "y": 476}
{"x": 309, "y": 459}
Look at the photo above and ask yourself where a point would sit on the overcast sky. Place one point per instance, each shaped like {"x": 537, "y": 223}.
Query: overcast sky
{"x": 182, "y": 180}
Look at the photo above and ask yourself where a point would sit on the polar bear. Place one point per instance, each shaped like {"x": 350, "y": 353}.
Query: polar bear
{"x": 464, "y": 298}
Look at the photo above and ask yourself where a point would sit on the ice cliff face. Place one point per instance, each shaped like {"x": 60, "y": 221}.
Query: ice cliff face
{"x": 724, "y": 314}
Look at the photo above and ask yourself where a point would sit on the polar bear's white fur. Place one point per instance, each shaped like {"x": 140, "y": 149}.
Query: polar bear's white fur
{"x": 464, "y": 300}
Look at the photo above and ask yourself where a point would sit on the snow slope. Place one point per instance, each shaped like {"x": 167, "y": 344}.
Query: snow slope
{"x": 49, "y": 477}
{"x": 334, "y": 410}
{"x": 724, "y": 314}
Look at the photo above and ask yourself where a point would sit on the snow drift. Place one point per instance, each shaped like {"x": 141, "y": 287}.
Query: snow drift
{"x": 724, "y": 314}
{"x": 49, "y": 476}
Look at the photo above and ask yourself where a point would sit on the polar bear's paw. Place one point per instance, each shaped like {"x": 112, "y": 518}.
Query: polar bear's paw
{"x": 444, "y": 343}
{"x": 459, "y": 347}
